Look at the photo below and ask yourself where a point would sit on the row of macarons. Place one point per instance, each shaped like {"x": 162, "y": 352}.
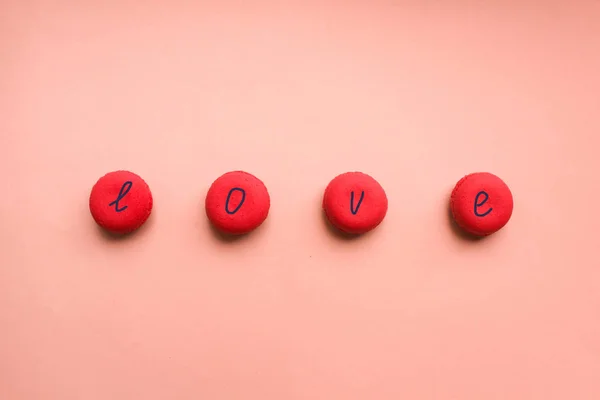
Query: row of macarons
{"x": 238, "y": 202}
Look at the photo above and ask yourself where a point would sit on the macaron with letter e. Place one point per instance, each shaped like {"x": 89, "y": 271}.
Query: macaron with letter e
{"x": 481, "y": 203}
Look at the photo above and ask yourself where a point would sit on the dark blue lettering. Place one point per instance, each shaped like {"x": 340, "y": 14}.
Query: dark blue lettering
{"x": 122, "y": 193}
{"x": 479, "y": 204}
{"x": 352, "y": 209}
{"x": 229, "y": 198}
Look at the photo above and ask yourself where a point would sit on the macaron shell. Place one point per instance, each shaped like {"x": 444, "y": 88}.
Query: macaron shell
{"x": 481, "y": 203}
{"x": 237, "y": 203}
{"x": 355, "y": 203}
{"x": 133, "y": 207}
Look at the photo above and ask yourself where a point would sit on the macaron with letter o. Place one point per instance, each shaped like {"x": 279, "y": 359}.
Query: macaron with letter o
{"x": 237, "y": 203}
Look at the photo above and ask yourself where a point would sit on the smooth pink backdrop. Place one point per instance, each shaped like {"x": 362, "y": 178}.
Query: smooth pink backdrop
{"x": 415, "y": 93}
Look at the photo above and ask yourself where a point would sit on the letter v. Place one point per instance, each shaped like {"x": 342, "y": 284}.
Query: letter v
{"x": 362, "y": 196}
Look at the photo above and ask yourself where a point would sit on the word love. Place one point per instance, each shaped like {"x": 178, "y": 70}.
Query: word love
{"x": 355, "y": 203}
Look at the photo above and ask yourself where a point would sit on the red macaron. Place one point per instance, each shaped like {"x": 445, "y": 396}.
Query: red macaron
{"x": 355, "y": 203}
{"x": 120, "y": 202}
{"x": 481, "y": 203}
{"x": 237, "y": 203}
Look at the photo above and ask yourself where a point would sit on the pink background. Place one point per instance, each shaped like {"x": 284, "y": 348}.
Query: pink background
{"x": 415, "y": 93}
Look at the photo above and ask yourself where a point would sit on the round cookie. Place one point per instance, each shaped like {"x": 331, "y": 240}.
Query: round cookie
{"x": 237, "y": 203}
{"x": 120, "y": 202}
{"x": 481, "y": 203}
{"x": 355, "y": 203}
